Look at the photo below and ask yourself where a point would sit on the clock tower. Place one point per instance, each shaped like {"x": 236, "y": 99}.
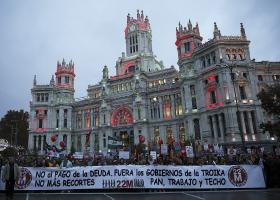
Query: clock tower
{"x": 138, "y": 35}
{"x": 139, "y": 54}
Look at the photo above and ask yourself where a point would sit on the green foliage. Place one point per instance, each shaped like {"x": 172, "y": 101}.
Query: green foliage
{"x": 9, "y": 152}
{"x": 270, "y": 99}
{"x": 14, "y": 127}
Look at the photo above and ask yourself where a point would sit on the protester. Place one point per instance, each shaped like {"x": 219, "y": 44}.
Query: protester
{"x": 10, "y": 175}
{"x": 66, "y": 163}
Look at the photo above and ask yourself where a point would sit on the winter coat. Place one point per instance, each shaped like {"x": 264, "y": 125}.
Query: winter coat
{"x": 6, "y": 172}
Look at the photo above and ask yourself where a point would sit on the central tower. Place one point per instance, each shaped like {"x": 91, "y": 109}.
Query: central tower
{"x": 138, "y": 35}
{"x": 139, "y": 54}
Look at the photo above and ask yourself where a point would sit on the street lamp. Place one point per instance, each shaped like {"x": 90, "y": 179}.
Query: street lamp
{"x": 237, "y": 105}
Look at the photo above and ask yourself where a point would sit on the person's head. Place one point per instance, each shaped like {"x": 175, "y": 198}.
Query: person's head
{"x": 11, "y": 160}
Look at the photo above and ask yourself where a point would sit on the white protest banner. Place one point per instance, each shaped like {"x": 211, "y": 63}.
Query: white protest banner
{"x": 124, "y": 155}
{"x": 141, "y": 176}
{"x": 153, "y": 154}
{"x": 163, "y": 149}
{"x": 189, "y": 151}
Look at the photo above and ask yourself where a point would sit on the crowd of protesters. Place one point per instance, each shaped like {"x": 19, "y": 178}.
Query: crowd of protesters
{"x": 270, "y": 162}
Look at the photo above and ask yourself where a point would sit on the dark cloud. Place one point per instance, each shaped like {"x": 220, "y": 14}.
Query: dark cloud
{"x": 35, "y": 34}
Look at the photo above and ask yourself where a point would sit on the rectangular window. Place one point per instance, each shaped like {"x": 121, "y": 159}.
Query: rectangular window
{"x": 66, "y": 79}
{"x": 47, "y": 97}
{"x": 139, "y": 113}
{"x": 242, "y": 92}
{"x": 38, "y": 97}
{"x": 211, "y": 126}
{"x": 224, "y": 123}
{"x": 187, "y": 46}
{"x": 65, "y": 123}
{"x": 203, "y": 63}
{"x": 42, "y": 97}
{"x": 59, "y": 80}
{"x": 260, "y": 78}
{"x": 57, "y": 123}
{"x": 208, "y": 60}
{"x": 196, "y": 129}
{"x": 104, "y": 142}
{"x": 218, "y": 125}
{"x": 65, "y": 113}
{"x": 214, "y": 57}
{"x": 192, "y": 90}
{"x": 46, "y": 112}
{"x": 213, "y": 97}
{"x": 254, "y": 121}
{"x": 194, "y": 105}
{"x": 40, "y": 123}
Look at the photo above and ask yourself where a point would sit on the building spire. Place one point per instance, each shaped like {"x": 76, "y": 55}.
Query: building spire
{"x": 128, "y": 18}
{"x": 34, "y": 81}
{"x": 138, "y": 15}
{"x": 242, "y": 31}
{"x": 52, "y": 80}
{"x": 197, "y": 28}
{"x": 216, "y": 32}
{"x": 190, "y": 25}
{"x": 142, "y": 15}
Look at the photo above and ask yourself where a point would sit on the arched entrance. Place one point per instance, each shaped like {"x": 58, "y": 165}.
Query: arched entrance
{"x": 122, "y": 123}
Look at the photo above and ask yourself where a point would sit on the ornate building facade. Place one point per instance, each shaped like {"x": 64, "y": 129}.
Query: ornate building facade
{"x": 211, "y": 97}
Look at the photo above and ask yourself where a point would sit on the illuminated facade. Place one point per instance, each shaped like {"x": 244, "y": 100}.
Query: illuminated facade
{"x": 162, "y": 104}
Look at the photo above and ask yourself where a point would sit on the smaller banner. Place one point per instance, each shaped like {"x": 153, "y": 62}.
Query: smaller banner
{"x": 114, "y": 142}
{"x": 124, "y": 155}
{"x": 153, "y": 154}
{"x": 189, "y": 151}
{"x": 163, "y": 149}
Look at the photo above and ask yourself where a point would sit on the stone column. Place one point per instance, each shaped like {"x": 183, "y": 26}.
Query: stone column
{"x": 222, "y": 128}
{"x": 186, "y": 125}
{"x": 83, "y": 141}
{"x": 243, "y": 127}
{"x": 191, "y": 127}
{"x": 90, "y": 117}
{"x": 68, "y": 143}
{"x": 214, "y": 121}
{"x": 250, "y": 122}
{"x": 37, "y": 142}
{"x": 172, "y": 106}
{"x": 30, "y": 141}
{"x": 83, "y": 119}
{"x": 42, "y": 143}
{"x": 183, "y": 100}
{"x": 175, "y": 132}
{"x": 188, "y": 105}
{"x": 160, "y": 107}
{"x": 61, "y": 118}
{"x": 162, "y": 133}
